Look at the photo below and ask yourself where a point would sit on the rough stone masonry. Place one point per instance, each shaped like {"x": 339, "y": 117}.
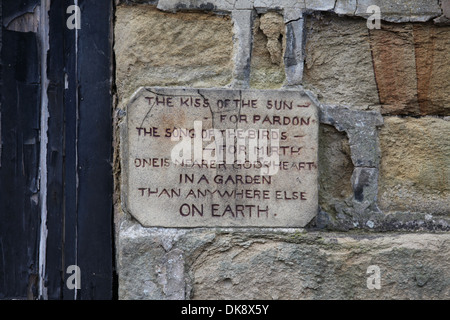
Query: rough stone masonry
{"x": 383, "y": 97}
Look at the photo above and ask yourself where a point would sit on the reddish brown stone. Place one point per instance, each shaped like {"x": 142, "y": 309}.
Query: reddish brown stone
{"x": 395, "y": 72}
{"x": 433, "y": 69}
{"x": 411, "y": 68}
{"x": 424, "y": 42}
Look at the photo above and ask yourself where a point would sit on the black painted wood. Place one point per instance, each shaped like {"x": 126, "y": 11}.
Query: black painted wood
{"x": 19, "y": 171}
{"x": 56, "y": 157}
{"x": 79, "y": 154}
{"x": 95, "y": 149}
{"x": 71, "y": 121}
{"x": 80, "y": 72}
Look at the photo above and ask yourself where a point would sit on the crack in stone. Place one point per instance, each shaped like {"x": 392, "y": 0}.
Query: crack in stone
{"x": 210, "y": 109}
{"x": 293, "y": 20}
{"x": 150, "y": 110}
{"x": 163, "y": 95}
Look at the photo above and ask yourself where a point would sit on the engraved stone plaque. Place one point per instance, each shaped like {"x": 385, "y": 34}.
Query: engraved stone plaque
{"x": 220, "y": 158}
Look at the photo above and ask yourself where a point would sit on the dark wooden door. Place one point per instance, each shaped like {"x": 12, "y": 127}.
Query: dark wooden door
{"x": 56, "y": 149}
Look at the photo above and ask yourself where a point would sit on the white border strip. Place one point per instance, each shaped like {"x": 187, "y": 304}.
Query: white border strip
{"x": 44, "y": 42}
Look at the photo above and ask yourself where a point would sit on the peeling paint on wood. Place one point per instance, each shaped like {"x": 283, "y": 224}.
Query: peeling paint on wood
{"x": 26, "y": 22}
{"x": 19, "y": 213}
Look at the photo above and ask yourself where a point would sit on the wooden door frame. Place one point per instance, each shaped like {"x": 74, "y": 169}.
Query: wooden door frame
{"x": 72, "y": 221}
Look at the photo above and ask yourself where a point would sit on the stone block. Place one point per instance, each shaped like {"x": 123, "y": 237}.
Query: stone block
{"x": 338, "y": 62}
{"x": 401, "y": 11}
{"x": 411, "y": 68}
{"x": 415, "y": 165}
{"x": 157, "y": 48}
{"x": 287, "y": 264}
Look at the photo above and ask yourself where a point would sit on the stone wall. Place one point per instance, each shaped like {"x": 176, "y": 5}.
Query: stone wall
{"x": 384, "y": 146}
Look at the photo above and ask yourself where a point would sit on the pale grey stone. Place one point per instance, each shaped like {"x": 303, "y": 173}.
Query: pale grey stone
{"x": 172, "y": 205}
{"x": 346, "y": 7}
{"x": 445, "y": 5}
{"x": 243, "y": 4}
{"x": 361, "y": 128}
{"x": 207, "y": 5}
{"x": 172, "y": 276}
{"x": 320, "y": 5}
{"x": 365, "y": 189}
{"x": 445, "y": 17}
{"x": 242, "y": 27}
{"x": 156, "y": 271}
{"x": 442, "y": 20}
{"x": 293, "y": 57}
{"x": 279, "y": 4}
{"x": 291, "y": 14}
{"x": 392, "y": 11}
{"x": 401, "y": 11}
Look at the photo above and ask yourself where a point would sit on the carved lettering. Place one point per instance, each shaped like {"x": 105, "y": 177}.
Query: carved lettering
{"x": 221, "y": 157}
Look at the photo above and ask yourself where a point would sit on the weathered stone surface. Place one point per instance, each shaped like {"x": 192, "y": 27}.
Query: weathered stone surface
{"x": 361, "y": 128}
{"x": 431, "y": 46}
{"x": 393, "y": 11}
{"x": 336, "y": 168}
{"x": 280, "y": 264}
{"x": 189, "y": 183}
{"x": 320, "y": 5}
{"x": 272, "y": 25}
{"x": 401, "y": 11}
{"x": 394, "y": 64}
{"x": 347, "y": 7}
{"x": 445, "y": 5}
{"x": 152, "y": 2}
{"x": 207, "y": 5}
{"x": 210, "y": 5}
{"x": 156, "y": 48}
{"x": 274, "y": 4}
{"x": 294, "y": 57}
{"x": 338, "y": 65}
{"x": 265, "y": 74}
{"x": 415, "y": 165}
{"x": 411, "y": 267}
{"x": 365, "y": 189}
{"x": 312, "y": 5}
{"x": 242, "y": 22}
{"x": 148, "y": 265}
{"x": 412, "y": 70}
{"x": 292, "y": 14}
{"x": 243, "y": 4}
{"x": 410, "y": 66}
